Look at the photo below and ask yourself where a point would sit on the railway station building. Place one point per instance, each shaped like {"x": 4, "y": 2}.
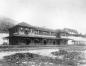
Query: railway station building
{"x": 25, "y": 34}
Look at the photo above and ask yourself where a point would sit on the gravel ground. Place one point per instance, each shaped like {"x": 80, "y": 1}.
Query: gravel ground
{"x": 45, "y": 58}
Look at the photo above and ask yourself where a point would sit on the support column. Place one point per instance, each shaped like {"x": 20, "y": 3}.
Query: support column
{"x": 32, "y": 41}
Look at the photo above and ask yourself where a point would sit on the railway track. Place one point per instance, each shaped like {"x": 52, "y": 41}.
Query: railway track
{"x": 27, "y": 48}
{"x": 8, "y": 50}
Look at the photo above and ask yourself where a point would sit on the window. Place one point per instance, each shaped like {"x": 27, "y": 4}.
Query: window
{"x": 53, "y": 34}
{"x": 41, "y": 32}
{"x": 35, "y": 31}
{"x": 21, "y": 30}
{"x": 45, "y": 33}
{"x": 27, "y": 30}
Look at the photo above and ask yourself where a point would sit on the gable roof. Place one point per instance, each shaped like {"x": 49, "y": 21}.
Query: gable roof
{"x": 23, "y": 24}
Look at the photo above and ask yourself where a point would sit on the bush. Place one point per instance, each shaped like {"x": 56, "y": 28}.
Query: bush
{"x": 19, "y": 57}
{"x": 70, "y": 63}
{"x": 60, "y": 52}
{"x": 72, "y": 55}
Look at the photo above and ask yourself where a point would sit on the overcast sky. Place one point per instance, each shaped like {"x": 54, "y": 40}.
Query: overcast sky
{"x": 53, "y": 14}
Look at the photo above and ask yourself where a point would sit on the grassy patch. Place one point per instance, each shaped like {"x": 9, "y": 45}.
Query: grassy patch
{"x": 25, "y": 59}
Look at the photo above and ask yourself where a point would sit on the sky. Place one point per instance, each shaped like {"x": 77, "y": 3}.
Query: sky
{"x": 53, "y": 14}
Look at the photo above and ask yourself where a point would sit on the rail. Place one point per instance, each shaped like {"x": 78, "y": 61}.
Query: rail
{"x": 18, "y": 48}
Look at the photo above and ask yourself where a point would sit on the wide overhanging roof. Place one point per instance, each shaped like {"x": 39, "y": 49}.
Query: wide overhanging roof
{"x": 36, "y": 36}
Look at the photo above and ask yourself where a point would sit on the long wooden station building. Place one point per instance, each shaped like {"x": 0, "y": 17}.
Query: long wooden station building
{"x": 25, "y": 34}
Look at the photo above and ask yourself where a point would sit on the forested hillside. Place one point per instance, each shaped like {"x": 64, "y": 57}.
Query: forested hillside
{"x": 5, "y": 24}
